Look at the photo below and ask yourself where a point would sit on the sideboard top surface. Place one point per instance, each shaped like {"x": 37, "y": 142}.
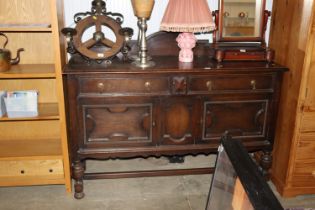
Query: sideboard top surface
{"x": 170, "y": 64}
{"x": 164, "y": 51}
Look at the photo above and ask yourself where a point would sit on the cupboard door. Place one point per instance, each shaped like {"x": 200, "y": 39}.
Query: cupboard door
{"x": 245, "y": 119}
{"x": 178, "y": 120}
{"x": 112, "y": 123}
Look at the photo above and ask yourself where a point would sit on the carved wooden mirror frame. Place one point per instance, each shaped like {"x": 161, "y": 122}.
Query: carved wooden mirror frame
{"x": 219, "y": 20}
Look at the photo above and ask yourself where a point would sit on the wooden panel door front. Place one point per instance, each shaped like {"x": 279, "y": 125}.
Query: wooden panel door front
{"x": 112, "y": 122}
{"x": 247, "y": 119}
{"x": 179, "y": 120}
{"x": 103, "y": 124}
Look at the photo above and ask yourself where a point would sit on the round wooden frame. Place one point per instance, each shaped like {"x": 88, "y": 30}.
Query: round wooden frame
{"x": 84, "y": 47}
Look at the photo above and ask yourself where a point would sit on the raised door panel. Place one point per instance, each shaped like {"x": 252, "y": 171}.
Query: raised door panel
{"x": 244, "y": 119}
{"x": 117, "y": 124}
{"x": 178, "y": 120}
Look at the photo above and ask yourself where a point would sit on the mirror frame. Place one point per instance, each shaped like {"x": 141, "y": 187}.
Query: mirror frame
{"x": 218, "y": 18}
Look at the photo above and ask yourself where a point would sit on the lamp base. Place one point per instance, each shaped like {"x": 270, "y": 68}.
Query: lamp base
{"x": 137, "y": 58}
{"x": 143, "y": 65}
{"x": 186, "y": 42}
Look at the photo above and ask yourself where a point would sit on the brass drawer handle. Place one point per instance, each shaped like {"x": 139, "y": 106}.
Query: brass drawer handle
{"x": 101, "y": 86}
{"x": 147, "y": 85}
{"x": 253, "y": 84}
{"x": 209, "y": 85}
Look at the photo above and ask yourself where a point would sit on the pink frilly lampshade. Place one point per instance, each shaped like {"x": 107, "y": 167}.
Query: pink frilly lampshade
{"x": 187, "y": 16}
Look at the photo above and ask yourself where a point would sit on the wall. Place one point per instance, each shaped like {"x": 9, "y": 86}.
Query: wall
{"x": 124, "y": 7}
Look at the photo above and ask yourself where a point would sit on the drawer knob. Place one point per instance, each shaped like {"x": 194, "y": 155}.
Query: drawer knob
{"x": 209, "y": 85}
{"x": 101, "y": 86}
{"x": 253, "y": 84}
{"x": 313, "y": 173}
{"x": 147, "y": 85}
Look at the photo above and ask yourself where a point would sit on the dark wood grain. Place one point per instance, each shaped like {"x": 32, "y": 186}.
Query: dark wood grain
{"x": 120, "y": 111}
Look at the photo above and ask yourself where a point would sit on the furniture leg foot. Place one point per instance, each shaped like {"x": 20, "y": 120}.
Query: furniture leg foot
{"x": 78, "y": 172}
{"x": 79, "y": 195}
{"x": 176, "y": 159}
{"x": 265, "y": 163}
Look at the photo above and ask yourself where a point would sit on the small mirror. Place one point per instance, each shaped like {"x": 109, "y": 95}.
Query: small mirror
{"x": 240, "y": 34}
{"x": 241, "y": 21}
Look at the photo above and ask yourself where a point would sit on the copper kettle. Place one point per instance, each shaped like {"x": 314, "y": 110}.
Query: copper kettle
{"x": 5, "y": 56}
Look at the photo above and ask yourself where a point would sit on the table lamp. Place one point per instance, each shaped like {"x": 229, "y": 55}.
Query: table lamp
{"x": 188, "y": 17}
{"x": 143, "y": 9}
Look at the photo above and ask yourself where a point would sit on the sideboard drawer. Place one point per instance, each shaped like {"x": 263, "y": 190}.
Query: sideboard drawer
{"x": 308, "y": 122}
{"x": 300, "y": 181}
{"x": 304, "y": 173}
{"x": 124, "y": 86}
{"x": 230, "y": 83}
{"x": 306, "y": 146}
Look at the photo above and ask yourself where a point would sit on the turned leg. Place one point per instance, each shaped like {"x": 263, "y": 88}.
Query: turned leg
{"x": 78, "y": 172}
{"x": 266, "y": 162}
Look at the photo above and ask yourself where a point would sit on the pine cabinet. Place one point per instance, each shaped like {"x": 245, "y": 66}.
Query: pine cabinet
{"x": 33, "y": 151}
{"x": 293, "y": 170}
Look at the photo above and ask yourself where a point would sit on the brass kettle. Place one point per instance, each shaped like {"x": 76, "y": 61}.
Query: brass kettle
{"x": 5, "y": 56}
